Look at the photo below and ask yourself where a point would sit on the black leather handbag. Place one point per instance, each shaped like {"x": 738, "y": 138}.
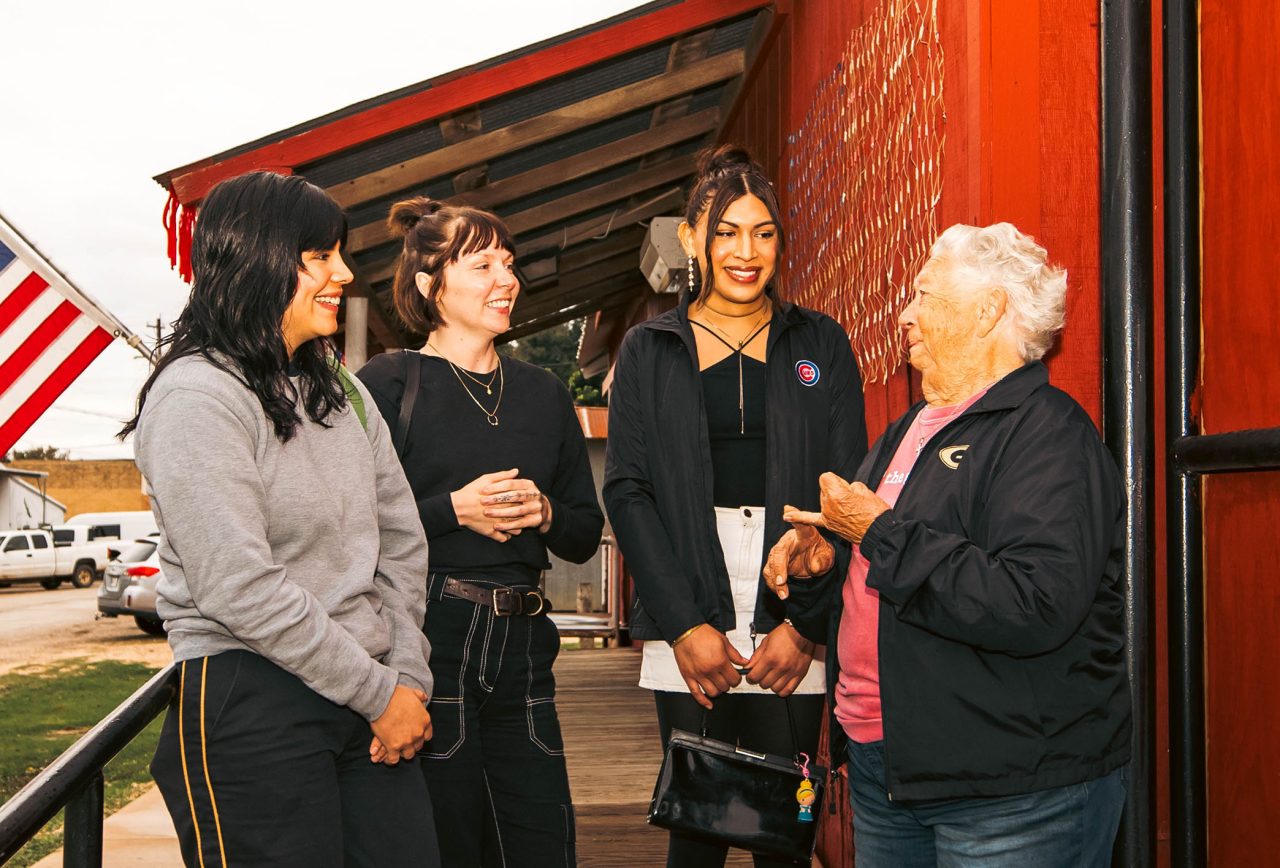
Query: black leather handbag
{"x": 726, "y": 794}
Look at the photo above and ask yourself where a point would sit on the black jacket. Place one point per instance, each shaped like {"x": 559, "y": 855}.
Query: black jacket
{"x": 658, "y": 480}
{"x": 1001, "y": 636}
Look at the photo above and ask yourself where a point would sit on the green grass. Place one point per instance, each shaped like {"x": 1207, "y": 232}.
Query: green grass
{"x": 43, "y": 710}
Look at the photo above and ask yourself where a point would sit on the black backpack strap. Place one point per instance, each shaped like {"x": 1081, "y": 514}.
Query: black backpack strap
{"x": 412, "y": 380}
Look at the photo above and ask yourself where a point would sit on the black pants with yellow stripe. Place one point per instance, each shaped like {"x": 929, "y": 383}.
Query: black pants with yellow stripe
{"x": 259, "y": 770}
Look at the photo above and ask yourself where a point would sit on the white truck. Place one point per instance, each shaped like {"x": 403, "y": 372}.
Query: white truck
{"x": 32, "y": 556}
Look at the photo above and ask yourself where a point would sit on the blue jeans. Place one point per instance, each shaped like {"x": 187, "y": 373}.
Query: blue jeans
{"x": 1067, "y": 826}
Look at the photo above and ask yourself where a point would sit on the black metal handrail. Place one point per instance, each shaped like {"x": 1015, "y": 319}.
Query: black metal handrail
{"x": 1252, "y": 449}
{"x": 74, "y": 779}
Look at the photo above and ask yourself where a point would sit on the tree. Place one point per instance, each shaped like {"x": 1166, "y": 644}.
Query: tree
{"x": 37, "y": 453}
{"x": 556, "y": 350}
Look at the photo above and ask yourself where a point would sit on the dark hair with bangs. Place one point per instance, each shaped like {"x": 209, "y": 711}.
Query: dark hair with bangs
{"x": 246, "y": 253}
{"x": 726, "y": 174}
{"x": 436, "y": 234}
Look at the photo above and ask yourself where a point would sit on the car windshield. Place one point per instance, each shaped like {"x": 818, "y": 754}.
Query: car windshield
{"x": 138, "y": 550}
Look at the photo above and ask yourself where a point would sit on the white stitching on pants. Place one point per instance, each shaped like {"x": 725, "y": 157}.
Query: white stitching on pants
{"x": 466, "y": 650}
{"x": 494, "y": 811}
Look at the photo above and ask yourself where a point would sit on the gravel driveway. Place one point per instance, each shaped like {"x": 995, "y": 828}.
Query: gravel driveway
{"x": 39, "y": 626}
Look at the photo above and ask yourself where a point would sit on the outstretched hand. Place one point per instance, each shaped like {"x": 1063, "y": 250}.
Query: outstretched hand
{"x": 848, "y": 508}
{"x": 801, "y": 552}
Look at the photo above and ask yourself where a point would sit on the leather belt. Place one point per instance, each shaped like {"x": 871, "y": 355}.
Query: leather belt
{"x": 504, "y": 601}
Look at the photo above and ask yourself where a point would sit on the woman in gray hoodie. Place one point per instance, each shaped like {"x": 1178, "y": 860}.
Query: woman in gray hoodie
{"x": 292, "y": 554}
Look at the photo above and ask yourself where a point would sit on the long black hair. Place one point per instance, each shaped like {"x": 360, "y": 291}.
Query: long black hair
{"x": 725, "y": 174}
{"x": 245, "y": 257}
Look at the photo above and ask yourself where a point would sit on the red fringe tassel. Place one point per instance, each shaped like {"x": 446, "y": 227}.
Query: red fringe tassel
{"x": 179, "y": 224}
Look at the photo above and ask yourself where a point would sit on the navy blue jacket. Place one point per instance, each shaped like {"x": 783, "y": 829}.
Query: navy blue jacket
{"x": 658, "y": 479}
{"x": 1001, "y": 636}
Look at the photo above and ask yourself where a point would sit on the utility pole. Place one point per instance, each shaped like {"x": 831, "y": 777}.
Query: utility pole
{"x": 157, "y": 325}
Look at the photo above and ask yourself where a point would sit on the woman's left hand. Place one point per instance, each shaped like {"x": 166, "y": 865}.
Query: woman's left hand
{"x": 781, "y": 660}
{"x": 516, "y": 504}
{"x": 847, "y": 508}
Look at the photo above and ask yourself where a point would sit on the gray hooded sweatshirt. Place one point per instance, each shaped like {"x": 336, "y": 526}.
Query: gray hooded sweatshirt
{"x": 309, "y": 553}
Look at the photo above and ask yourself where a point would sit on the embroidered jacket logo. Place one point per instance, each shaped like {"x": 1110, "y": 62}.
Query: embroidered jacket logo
{"x": 951, "y": 455}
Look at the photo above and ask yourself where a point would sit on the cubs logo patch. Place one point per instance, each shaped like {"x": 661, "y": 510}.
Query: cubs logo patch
{"x": 951, "y": 455}
{"x": 807, "y": 372}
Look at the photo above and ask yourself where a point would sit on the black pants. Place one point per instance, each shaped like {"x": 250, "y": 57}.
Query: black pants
{"x": 754, "y": 721}
{"x": 495, "y": 764}
{"x": 257, "y": 769}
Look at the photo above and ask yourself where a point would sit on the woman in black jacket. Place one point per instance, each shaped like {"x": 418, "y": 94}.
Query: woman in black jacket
{"x": 498, "y": 465}
{"x": 722, "y": 413}
{"x": 979, "y": 688}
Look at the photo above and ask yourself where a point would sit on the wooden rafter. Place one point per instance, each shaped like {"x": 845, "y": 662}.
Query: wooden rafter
{"x": 569, "y": 169}
{"x": 452, "y": 158}
{"x": 447, "y": 94}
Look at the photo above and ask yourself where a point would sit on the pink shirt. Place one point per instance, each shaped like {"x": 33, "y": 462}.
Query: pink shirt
{"x": 858, "y": 687}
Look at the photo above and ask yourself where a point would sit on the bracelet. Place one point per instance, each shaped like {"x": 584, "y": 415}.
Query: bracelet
{"x": 684, "y": 635}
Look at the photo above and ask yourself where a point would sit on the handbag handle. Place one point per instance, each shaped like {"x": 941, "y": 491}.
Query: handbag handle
{"x": 412, "y": 378}
{"x": 791, "y": 726}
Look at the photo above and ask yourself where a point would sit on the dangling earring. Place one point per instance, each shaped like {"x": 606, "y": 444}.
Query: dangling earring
{"x": 689, "y": 271}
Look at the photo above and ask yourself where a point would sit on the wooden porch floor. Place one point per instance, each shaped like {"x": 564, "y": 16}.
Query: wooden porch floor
{"x": 613, "y": 753}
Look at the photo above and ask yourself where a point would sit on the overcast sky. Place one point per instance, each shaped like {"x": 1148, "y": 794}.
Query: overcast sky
{"x": 98, "y": 98}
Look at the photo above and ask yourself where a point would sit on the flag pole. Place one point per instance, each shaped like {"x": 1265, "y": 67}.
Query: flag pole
{"x": 42, "y": 265}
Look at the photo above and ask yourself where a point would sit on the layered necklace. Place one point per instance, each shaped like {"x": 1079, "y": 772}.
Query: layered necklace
{"x": 737, "y": 345}
{"x": 491, "y": 416}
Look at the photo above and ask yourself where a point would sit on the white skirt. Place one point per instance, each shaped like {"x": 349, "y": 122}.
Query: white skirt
{"x": 741, "y": 534}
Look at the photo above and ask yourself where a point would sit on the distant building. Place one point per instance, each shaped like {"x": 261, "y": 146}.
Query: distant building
{"x": 110, "y": 485}
{"x": 24, "y": 501}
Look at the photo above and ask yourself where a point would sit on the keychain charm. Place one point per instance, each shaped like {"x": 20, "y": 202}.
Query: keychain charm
{"x": 805, "y": 793}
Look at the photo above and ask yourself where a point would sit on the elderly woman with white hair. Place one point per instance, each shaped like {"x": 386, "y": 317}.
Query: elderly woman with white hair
{"x": 979, "y": 690}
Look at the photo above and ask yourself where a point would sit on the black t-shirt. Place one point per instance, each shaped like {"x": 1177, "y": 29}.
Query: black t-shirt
{"x": 451, "y": 443}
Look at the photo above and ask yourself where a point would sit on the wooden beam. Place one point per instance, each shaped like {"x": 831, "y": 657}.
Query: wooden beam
{"x": 660, "y": 204}
{"x": 452, "y": 158}
{"x": 580, "y": 286}
{"x": 562, "y": 171}
{"x": 574, "y": 311}
{"x": 449, "y": 93}
{"x": 570, "y": 237}
{"x": 600, "y": 195}
{"x": 573, "y": 235}
{"x": 591, "y": 252}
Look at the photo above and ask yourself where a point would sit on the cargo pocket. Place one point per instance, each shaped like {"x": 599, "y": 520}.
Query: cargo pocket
{"x": 448, "y": 728}
{"x": 544, "y": 726}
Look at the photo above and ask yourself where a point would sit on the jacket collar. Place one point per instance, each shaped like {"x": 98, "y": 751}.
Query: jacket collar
{"x": 1013, "y": 388}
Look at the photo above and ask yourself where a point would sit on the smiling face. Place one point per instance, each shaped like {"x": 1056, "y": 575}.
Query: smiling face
{"x": 744, "y": 252}
{"x": 941, "y": 324}
{"x": 479, "y": 291}
{"x": 313, "y": 312}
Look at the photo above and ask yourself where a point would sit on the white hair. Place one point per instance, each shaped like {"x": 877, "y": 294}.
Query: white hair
{"x": 1000, "y": 255}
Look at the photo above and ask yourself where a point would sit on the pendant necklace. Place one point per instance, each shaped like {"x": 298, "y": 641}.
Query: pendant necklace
{"x": 490, "y": 416}
{"x": 758, "y": 326}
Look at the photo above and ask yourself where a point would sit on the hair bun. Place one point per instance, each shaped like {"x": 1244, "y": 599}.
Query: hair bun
{"x": 724, "y": 159}
{"x": 405, "y": 214}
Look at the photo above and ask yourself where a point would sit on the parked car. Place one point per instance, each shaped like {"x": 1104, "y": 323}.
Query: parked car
{"x": 31, "y": 556}
{"x": 129, "y": 585}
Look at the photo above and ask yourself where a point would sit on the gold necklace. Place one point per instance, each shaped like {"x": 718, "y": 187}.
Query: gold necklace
{"x": 490, "y": 416}
{"x": 765, "y": 310}
{"x": 493, "y": 375}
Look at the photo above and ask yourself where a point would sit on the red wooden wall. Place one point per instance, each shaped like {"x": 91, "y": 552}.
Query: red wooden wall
{"x": 1240, "y": 388}
{"x": 1021, "y": 87}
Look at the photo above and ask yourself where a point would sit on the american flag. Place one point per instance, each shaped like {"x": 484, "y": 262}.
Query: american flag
{"x": 49, "y": 333}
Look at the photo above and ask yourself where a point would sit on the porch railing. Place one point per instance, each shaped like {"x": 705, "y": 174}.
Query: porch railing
{"x": 74, "y": 780}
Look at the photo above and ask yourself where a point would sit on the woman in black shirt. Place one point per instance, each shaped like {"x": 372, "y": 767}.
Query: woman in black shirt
{"x": 497, "y": 461}
{"x": 723, "y": 412}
